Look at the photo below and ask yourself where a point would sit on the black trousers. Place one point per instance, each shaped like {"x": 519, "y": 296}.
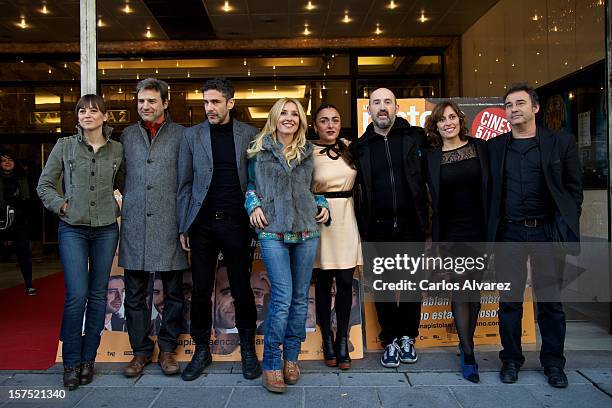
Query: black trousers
{"x": 510, "y": 266}
{"x": 138, "y": 313}
{"x": 18, "y": 235}
{"x": 396, "y": 319}
{"x": 231, "y": 236}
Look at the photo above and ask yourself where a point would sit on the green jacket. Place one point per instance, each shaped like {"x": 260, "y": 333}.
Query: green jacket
{"x": 89, "y": 180}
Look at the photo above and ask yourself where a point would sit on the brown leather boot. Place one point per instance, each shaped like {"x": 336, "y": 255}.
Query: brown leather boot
{"x": 87, "y": 373}
{"x": 291, "y": 372}
{"x": 272, "y": 381}
{"x": 71, "y": 377}
{"x": 135, "y": 367}
{"x": 168, "y": 363}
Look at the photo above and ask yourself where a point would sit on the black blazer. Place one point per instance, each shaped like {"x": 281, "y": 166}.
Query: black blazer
{"x": 562, "y": 173}
{"x": 434, "y": 158}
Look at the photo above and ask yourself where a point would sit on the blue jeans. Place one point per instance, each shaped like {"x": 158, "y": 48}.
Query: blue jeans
{"x": 289, "y": 268}
{"x": 87, "y": 257}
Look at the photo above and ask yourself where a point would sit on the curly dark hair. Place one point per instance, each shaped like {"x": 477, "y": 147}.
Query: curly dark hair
{"x": 431, "y": 124}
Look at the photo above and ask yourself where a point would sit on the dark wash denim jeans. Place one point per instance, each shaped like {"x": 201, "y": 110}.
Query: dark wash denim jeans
{"x": 87, "y": 257}
{"x": 289, "y": 268}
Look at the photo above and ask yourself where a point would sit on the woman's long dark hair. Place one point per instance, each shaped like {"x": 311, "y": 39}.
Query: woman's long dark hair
{"x": 431, "y": 123}
{"x": 342, "y": 148}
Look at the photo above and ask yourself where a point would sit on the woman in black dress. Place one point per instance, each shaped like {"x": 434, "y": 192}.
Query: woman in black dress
{"x": 457, "y": 179}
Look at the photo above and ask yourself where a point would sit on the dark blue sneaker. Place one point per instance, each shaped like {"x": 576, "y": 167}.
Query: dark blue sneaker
{"x": 390, "y": 358}
{"x": 407, "y": 352}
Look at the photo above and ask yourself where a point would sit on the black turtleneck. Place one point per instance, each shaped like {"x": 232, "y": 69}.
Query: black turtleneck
{"x": 225, "y": 193}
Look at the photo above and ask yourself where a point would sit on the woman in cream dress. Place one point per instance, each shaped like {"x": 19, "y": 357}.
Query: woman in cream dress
{"x": 340, "y": 248}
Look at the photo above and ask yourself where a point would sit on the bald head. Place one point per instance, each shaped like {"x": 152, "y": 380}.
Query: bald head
{"x": 382, "y": 109}
{"x": 382, "y": 93}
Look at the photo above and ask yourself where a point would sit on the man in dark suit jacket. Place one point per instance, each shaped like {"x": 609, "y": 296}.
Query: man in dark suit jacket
{"x": 212, "y": 219}
{"x": 536, "y": 198}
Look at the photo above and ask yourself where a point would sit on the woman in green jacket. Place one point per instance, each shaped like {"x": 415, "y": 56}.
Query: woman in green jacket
{"x": 89, "y": 163}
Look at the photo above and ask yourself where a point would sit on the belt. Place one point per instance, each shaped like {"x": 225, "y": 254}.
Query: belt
{"x": 528, "y": 222}
{"x": 222, "y": 215}
{"x": 337, "y": 194}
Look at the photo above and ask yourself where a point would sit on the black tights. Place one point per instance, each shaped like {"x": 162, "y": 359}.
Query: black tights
{"x": 466, "y": 318}
{"x": 344, "y": 297}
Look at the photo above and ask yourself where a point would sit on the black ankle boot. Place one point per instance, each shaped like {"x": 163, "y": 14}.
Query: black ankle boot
{"x": 250, "y": 365}
{"x": 329, "y": 352}
{"x": 87, "y": 373}
{"x": 200, "y": 360}
{"x": 342, "y": 353}
{"x": 71, "y": 377}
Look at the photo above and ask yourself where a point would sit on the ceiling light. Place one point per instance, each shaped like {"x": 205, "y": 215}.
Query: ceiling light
{"x": 571, "y": 95}
{"x": 346, "y": 18}
{"x": 475, "y": 69}
{"x": 44, "y": 9}
{"x": 536, "y": 81}
{"x": 103, "y": 72}
{"x": 100, "y": 22}
{"x": 392, "y": 5}
{"x": 148, "y": 33}
{"x": 274, "y": 67}
{"x": 21, "y": 61}
{"x": 310, "y": 6}
{"x": 188, "y": 74}
{"x": 177, "y": 64}
{"x": 65, "y": 65}
{"x": 423, "y": 19}
{"x": 306, "y": 30}
{"x": 49, "y": 70}
{"x": 301, "y": 60}
{"x": 244, "y": 62}
{"x": 141, "y": 59}
{"x": 248, "y": 72}
{"x": 127, "y": 9}
{"x": 392, "y": 56}
{"x": 226, "y": 7}
{"x": 22, "y": 23}
{"x": 535, "y": 17}
{"x": 120, "y": 91}
{"x": 378, "y": 30}
{"x": 156, "y": 71}
{"x": 137, "y": 75}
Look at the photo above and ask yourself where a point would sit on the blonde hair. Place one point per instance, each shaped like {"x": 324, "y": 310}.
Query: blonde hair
{"x": 295, "y": 149}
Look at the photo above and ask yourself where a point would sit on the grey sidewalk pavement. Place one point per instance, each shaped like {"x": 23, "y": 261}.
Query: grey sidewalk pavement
{"x": 434, "y": 381}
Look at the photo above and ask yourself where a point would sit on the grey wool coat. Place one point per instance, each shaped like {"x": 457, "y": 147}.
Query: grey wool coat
{"x": 196, "y": 168}
{"x": 149, "y": 235}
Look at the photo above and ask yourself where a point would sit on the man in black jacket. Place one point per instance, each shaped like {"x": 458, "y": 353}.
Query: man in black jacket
{"x": 393, "y": 208}
{"x": 536, "y": 199}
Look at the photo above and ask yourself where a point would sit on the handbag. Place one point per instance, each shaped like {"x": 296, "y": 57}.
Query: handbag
{"x": 7, "y": 217}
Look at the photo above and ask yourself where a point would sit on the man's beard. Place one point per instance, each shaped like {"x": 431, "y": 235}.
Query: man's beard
{"x": 384, "y": 123}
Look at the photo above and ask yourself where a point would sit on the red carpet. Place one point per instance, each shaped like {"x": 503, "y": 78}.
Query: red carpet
{"x": 31, "y": 324}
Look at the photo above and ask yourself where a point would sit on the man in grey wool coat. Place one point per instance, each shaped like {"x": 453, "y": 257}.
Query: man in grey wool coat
{"x": 149, "y": 231}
